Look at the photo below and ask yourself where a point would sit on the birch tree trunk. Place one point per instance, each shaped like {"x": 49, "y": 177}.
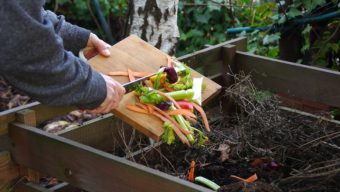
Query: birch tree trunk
{"x": 155, "y": 21}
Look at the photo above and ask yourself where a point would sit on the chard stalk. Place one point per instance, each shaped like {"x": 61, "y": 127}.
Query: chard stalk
{"x": 180, "y": 119}
{"x": 207, "y": 183}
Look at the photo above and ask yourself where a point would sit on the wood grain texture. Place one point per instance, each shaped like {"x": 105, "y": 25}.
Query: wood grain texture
{"x": 312, "y": 83}
{"x": 135, "y": 54}
{"x": 86, "y": 167}
{"x": 8, "y": 171}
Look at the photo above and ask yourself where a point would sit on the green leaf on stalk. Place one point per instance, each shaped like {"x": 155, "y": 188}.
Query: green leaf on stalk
{"x": 268, "y": 39}
{"x": 294, "y": 12}
{"x": 307, "y": 29}
{"x": 168, "y": 135}
{"x": 282, "y": 19}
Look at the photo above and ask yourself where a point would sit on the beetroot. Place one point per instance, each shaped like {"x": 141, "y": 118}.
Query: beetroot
{"x": 171, "y": 74}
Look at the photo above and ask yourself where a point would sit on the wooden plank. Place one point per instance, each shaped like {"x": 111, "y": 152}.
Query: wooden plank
{"x": 30, "y": 187}
{"x": 28, "y": 117}
{"x": 8, "y": 114}
{"x": 3, "y": 128}
{"x": 44, "y": 112}
{"x": 101, "y": 133}
{"x": 212, "y": 54}
{"x": 135, "y": 54}
{"x": 8, "y": 171}
{"x": 86, "y": 167}
{"x": 229, "y": 68}
{"x": 312, "y": 83}
{"x": 4, "y": 143}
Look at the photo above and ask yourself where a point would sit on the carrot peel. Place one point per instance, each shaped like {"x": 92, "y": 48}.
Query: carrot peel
{"x": 250, "y": 179}
{"x": 204, "y": 116}
{"x": 137, "y": 109}
{"x": 181, "y": 112}
{"x": 192, "y": 171}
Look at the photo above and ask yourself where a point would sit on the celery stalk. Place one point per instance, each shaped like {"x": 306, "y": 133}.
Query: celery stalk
{"x": 157, "y": 81}
{"x": 207, "y": 183}
{"x": 180, "y": 119}
{"x": 182, "y": 94}
{"x": 197, "y": 87}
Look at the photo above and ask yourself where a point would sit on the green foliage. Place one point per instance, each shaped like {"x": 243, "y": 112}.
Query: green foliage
{"x": 201, "y": 22}
{"x": 82, "y": 13}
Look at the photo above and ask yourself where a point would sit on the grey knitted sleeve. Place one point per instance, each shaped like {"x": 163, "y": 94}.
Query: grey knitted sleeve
{"x": 74, "y": 37}
{"x": 34, "y": 60}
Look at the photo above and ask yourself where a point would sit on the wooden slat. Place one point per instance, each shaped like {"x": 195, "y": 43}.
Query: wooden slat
{"x": 3, "y": 128}
{"x": 8, "y": 171}
{"x": 211, "y": 54}
{"x": 298, "y": 80}
{"x": 101, "y": 133}
{"x": 10, "y": 112}
{"x": 28, "y": 117}
{"x": 44, "y": 112}
{"x": 229, "y": 68}
{"x": 86, "y": 167}
{"x": 30, "y": 187}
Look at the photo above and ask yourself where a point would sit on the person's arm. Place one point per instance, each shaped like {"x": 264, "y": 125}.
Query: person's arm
{"x": 75, "y": 37}
{"x": 34, "y": 60}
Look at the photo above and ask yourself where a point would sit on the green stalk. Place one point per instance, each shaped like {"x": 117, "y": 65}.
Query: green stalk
{"x": 154, "y": 98}
{"x": 180, "y": 119}
{"x": 207, "y": 183}
{"x": 182, "y": 94}
{"x": 157, "y": 81}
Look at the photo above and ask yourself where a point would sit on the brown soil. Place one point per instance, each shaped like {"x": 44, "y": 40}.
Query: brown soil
{"x": 288, "y": 151}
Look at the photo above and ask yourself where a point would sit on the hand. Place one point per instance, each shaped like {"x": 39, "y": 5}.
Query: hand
{"x": 97, "y": 45}
{"x": 115, "y": 92}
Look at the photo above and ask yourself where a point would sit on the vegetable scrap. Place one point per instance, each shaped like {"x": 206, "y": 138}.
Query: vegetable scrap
{"x": 212, "y": 185}
{"x": 173, "y": 96}
{"x": 248, "y": 180}
{"x": 191, "y": 171}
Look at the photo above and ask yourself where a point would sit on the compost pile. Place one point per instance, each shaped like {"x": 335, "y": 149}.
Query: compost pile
{"x": 287, "y": 151}
{"x": 10, "y": 97}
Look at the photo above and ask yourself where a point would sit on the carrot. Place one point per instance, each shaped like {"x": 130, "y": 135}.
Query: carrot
{"x": 130, "y": 73}
{"x": 175, "y": 128}
{"x": 148, "y": 83}
{"x": 171, "y": 120}
{"x": 141, "y": 74}
{"x": 141, "y": 105}
{"x": 118, "y": 73}
{"x": 170, "y": 99}
{"x": 150, "y": 109}
{"x": 181, "y": 112}
{"x": 190, "y": 119}
{"x": 204, "y": 116}
{"x": 137, "y": 109}
{"x": 192, "y": 171}
{"x": 167, "y": 88}
{"x": 248, "y": 180}
{"x": 125, "y": 73}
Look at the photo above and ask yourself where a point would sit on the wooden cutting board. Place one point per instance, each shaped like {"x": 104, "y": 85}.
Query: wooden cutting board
{"x": 138, "y": 55}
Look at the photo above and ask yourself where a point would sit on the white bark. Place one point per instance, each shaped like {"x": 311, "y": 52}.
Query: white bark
{"x": 155, "y": 21}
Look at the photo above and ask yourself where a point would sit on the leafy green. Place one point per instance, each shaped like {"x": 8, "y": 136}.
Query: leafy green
{"x": 168, "y": 135}
{"x": 151, "y": 97}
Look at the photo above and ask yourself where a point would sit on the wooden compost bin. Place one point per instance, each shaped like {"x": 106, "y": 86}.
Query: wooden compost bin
{"x": 77, "y": 156}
